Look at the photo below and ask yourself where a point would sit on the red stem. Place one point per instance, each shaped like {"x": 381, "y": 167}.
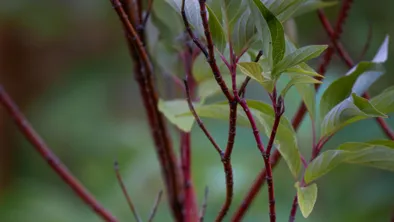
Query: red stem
{"x": 53, "y": 161}
{"x": 226, "y": 161}
{"x": 144, "y": 76}
{"x": 293, "y": 211}
{"x": 211, "y": 52}
{"x": 190, "y": 206}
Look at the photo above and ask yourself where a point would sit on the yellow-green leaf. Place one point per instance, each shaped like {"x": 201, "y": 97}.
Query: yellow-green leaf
{"x": 306, "y": 198}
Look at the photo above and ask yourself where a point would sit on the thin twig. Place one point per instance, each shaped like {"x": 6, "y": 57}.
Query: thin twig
{"x": 293, "y": 210}
{"x": 211, "y": 52}
{"x": 190, "y": 31}
{"x": 200, "y": 122}
{"x": 53, "y": 161}
{"x": 242, "y": 89}
{"x": 155, "y": 206}
{"x": 147, "y": 13}
{"x": 125, "y": 193}
{"x": 162, "y": 141}
{"x": 204, "y": 204}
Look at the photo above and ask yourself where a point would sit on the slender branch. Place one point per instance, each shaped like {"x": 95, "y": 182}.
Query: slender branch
{"x": 155, "y": 206}
{"x": 190, "y": 31}
{"x": 226, "y": 160}
{"x": 335, "y": 37}
{"x": 200, "y": 122}
{"x": 242, "y": 90}
{"x": 53, "y": 161}
{"x": 293, "y": 210}
{"x": 144, "y": 76}
{"x": 211, "y": 52}
{"x": 204, "y": 204}
{"x": 125, "y": 193}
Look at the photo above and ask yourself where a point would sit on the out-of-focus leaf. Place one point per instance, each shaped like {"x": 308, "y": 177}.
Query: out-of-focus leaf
{"x": 350, "y": 110}
{"x": 171, "y": 110}
{"x": 306, "y": 198}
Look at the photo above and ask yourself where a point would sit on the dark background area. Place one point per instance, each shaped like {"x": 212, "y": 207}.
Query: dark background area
{"x": 67, "y": 66}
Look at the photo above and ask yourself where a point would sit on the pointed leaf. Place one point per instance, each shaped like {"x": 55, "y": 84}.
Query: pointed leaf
{"x": 299, "y": 56}
{"x": 171, "y": 110}
{"x": 378, "y": 154}
{"x": 357, "y": 80}
{"x": 308, "y": 94}
{"x": 276, "y": 32}
{"x": 298, "y": 80}
{"x": 384, "y": 102}
{"x": 324, "y": 163}
{"x": 217, "y": 32}
{"x": 306, "y": 198}
{"x": 350, "y": 110}
{"x": 243, "y": 32}
{"x": 252, "y": 69}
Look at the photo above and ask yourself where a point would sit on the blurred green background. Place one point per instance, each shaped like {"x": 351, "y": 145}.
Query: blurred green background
{"x": 67, "y": 65}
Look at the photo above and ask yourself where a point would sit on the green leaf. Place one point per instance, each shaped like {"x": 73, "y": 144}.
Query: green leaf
{"x": 298, "y": 70}
{"x": 285, "y": 141}
{"x": 252, "y": 69}
{"x": 277, "y": 35}
{"x": 306, "y": 198}
{"x": 217, "y": 32}
{"x": 172, "y": 109}
{"x": 324, "y": 163}
{"x": 350, "y": 110}
{"x": 298, "y": 80}
{"x": 358, "y": 80}
{"x": 243, "y": 32}
{"x": 384, "y": 101}
{"x": 299, "y": 56}
{"x": 308, "y": 94}
{"x": 378, "y": 154}
{"x": 255, "y": 72}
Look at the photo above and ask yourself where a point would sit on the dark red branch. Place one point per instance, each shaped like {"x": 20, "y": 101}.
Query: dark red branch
{"x": 125, "y": 193}
{"x": 242, "y": 89}
{"x": 190, "y": 207}
{"x": 293, "y": 210}
{"x": 148, "y": 11}
{"x": 144, "y": 75}
{"x": 155, "y": 206}
{"x": 200, "y": 122}
{"x": 211, "y": 52}
{"x": 53, "y": 161}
